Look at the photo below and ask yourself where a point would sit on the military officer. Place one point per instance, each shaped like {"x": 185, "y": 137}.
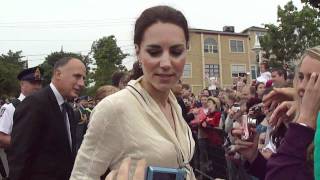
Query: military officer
{"x": 30, "y": 81}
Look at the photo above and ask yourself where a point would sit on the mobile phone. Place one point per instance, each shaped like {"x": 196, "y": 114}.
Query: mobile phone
{"x": 161, "y": 173}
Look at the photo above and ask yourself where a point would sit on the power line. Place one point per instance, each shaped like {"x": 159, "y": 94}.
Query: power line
{"x": 67, "y": 25}
{"x": 52, "y": 40}
{"x": 70, "y": 21}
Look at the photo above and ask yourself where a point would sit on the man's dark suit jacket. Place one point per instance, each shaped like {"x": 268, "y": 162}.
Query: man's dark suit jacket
{"x": 40, "y": 147}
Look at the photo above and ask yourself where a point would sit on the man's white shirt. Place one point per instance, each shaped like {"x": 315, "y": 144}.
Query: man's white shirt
{"x": 6, "y": 116}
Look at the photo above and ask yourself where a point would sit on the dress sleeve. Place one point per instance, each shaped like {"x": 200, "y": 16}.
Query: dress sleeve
{"x": 290, "y": 161}
{"x": 102, "y": 144}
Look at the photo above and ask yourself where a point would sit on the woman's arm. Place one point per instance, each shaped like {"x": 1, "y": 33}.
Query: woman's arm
{"x": 290, "y": 161}
{"x": 102, "y": 144}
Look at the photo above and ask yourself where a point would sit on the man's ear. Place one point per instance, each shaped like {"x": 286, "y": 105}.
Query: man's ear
{"x": 57, "y": 73}
{"x": 21, "y": 83}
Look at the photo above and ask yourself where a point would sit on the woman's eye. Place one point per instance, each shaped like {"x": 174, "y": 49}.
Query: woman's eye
{"x": 176, "y": 52}
{"x": 300, "y": 77}
{"x": 154, "y": 52}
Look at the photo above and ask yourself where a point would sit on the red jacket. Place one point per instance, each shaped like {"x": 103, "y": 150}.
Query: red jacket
{"x": 213, "y": 120}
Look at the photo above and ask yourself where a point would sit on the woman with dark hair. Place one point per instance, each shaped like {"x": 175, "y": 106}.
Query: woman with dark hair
{"x": 260, "y": 87}
{"x": 144, "y": 120}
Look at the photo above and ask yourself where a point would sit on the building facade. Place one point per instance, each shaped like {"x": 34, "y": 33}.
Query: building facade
{"x": 221, "y": 54}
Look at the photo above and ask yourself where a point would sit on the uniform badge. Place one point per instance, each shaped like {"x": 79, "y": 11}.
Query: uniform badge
{"x": 2, "y": 110}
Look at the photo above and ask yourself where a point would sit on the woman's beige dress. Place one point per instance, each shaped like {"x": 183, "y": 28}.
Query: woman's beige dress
{"x": 131, "y": 124}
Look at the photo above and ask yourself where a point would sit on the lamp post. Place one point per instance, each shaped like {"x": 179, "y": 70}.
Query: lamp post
{"x": 257, "y": 49}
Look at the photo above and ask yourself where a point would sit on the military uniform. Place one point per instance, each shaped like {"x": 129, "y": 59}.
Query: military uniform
{"x": 7, "y": 111}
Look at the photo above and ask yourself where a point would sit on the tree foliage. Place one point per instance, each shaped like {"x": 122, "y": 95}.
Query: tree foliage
{"x": 108, "y": 57}
{"x": 10, "y": 66}
{"x": 295, "y": 32}
{"x": 313, "y": 3}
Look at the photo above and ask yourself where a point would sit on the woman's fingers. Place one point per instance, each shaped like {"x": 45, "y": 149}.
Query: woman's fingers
{"x": 123, "y": 172}
{"x": 292, "y": 109}
{"x": 277, "y": 95}
{"x": 111, "y": 175}
{"x": 243, "y": 143}
{"x": 140, "y": 170}
{"x": 279, "y": 112}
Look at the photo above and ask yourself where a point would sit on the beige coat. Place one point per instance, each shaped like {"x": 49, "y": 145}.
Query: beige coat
{"x": 131, "y": 124}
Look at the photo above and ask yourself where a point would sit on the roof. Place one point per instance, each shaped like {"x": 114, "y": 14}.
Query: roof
{"x": 254, "y": 28}
{"x": 205, "y": 31}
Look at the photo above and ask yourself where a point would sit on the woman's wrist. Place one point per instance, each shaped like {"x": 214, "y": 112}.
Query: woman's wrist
{"x": 308, "y": 121}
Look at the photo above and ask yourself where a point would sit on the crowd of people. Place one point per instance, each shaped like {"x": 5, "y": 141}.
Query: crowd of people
{"x": 256, "y": 129}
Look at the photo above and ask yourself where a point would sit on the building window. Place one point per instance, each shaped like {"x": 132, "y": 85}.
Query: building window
{"x": 236, "y": 46}
{"x": 236, "y": 69}
{"x": 254, "y": 72}
{"x": 210, "y": 46}
{"x": 260, "y": 34}
{"x": 212, "y": 70}
{"x": 187, "y": 71}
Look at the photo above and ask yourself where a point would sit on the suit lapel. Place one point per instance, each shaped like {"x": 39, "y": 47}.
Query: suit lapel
{"x": 59, "y": 124}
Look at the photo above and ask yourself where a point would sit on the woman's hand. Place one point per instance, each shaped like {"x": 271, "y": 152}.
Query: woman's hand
{"x": 278, "y": 95}
{"x": 310, "y": 103}
{"x": 266, "y": 153}
{"x": 204, "y": 124}
{"x": 123, "y": 172}
{"x": 283, "y": 113}
{"x": 249, "y": 150}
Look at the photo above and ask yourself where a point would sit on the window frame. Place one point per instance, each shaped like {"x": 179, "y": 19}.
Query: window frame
{"x": 256, "y": 71}
{"x": 237, "y": 40}
{"x": 212, "y": 48}
{"x": 183, "y": 76}
{"x": 214, "y": 67}
{"x": 231, "y": 73}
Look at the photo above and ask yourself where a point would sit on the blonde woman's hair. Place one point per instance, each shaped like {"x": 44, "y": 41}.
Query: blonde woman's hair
{"x": 313, "y": 52}
{"x": 105, "y": 91}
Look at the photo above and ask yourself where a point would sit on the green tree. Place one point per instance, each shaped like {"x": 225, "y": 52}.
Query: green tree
{"x": 10, "y": 66}
{"x": 108, "y": 57}
{"x": 314, "y": 3}
{"x": 52, "y": 58}
{"x": 295, "y": 32}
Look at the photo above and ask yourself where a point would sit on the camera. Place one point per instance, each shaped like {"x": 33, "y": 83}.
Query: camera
{"x": 159, "y": 173}
{"x": 235, "y": 107}
{"x": 257, "y": 111}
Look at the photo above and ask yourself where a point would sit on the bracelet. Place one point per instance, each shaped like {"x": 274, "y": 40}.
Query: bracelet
{"x": 304, "y": 124}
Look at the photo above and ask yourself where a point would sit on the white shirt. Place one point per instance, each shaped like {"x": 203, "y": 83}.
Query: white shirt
{"x": 6, "y": 116}
{"x": 60, "y": 101}
{"x": 264, "y": 77}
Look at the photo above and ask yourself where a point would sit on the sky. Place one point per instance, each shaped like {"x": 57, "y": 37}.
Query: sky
{"x": 40, "y": 27}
